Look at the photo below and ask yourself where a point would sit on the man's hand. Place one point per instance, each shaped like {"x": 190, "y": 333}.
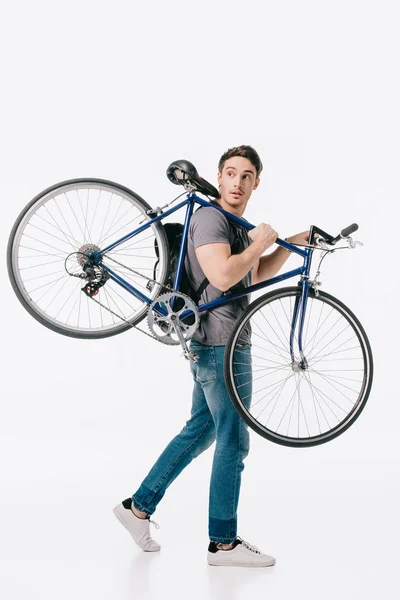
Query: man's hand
{"x": 263, "y": 236}
{"x": 299, "y": 238}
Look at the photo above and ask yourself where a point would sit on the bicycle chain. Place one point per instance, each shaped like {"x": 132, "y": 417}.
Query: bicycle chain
{"x": 163, "y": 286}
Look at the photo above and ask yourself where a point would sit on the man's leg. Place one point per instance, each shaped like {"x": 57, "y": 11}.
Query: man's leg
{"x": 232, "y": 446}
{"x": 196, "y": 436}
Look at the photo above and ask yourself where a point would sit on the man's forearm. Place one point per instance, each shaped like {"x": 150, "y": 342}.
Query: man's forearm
{"x": 238, "y": 265}
{"x": 271, "y": 264}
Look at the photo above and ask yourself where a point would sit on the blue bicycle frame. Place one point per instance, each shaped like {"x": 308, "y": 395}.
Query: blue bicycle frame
{"x": 189, "y": 202}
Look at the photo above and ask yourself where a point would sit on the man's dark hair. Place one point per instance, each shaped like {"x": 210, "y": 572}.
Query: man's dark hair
{"x": 245, "y": 151}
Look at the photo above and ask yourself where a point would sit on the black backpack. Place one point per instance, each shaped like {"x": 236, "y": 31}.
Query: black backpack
{"x": 174, "y": 232}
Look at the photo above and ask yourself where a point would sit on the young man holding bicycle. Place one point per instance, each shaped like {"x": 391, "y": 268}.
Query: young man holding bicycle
{"x": 213, "y": 417}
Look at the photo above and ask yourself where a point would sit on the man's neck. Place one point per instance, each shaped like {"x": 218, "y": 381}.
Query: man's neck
{"x": 238, "y": 212}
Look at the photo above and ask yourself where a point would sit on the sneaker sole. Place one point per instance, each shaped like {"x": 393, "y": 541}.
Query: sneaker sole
{"x": 240, "y": 565}
{"x": 217, "y": 563}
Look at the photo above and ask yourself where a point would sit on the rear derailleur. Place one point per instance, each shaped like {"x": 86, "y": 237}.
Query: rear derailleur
{"x": 95, "y": 277}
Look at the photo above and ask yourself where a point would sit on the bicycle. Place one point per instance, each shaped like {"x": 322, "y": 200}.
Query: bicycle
{"x": 310, "y": 371}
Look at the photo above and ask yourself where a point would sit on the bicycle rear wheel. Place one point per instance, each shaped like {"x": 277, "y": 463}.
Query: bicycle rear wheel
{"x": 291, "y": 406}
{"x": 71, "y": 219}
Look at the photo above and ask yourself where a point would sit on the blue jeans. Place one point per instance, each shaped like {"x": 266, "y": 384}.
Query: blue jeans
{"x": 213, "y": 417}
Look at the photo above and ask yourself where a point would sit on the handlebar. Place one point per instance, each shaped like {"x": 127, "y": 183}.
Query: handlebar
{"x": 329, "y": 239}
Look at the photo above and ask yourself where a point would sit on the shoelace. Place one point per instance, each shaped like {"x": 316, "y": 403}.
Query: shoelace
{"x": 250, "y": 547}
{"x": 156, "y": 525}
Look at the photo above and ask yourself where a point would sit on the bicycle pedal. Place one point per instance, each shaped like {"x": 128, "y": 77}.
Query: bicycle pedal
{"x": 190, "y": 355}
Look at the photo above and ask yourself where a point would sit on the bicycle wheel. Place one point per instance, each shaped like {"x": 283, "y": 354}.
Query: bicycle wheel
{"x": 289, "y": 405}
{"x": 71, "y": 219}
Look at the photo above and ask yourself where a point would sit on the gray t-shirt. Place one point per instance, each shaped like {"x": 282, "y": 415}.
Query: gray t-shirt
{"x": 210, "y": 226}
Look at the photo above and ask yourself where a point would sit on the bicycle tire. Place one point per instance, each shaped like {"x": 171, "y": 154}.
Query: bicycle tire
{"x": 102, "y": 204}
{"x": 314, "y": 399}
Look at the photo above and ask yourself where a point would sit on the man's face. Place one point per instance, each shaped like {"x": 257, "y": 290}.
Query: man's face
{"x": 237, "y": 181}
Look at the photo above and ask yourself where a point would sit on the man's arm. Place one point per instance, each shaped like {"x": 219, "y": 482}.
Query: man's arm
{"x": 223, "y": 269}
{"x": 270, "y": 265}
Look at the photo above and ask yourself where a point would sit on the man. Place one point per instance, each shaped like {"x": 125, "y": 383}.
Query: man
{"x": 213, "y": 417}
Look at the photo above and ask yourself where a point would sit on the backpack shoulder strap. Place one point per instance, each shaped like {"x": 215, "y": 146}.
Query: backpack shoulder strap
{"x": 201, "y": 288}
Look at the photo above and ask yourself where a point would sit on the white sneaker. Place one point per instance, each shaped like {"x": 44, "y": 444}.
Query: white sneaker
{"x": 241, "y": 555}
{"x": 137, "y": 527}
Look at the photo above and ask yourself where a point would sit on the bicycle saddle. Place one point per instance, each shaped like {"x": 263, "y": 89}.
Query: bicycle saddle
{"x": 183, "y": 171}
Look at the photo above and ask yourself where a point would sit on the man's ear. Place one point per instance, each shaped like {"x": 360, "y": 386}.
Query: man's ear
{"x": 256, "y": 183}
{"x": 219, "y": 177}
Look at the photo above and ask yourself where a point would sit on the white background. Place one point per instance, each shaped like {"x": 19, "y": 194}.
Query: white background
{"x": 118, "y": 91}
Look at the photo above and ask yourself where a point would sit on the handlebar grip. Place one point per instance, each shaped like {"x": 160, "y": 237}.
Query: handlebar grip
{"x": 344, "y": 233}
{"x": 348, "y": 230}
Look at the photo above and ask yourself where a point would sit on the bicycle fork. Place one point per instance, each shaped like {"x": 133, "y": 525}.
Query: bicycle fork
{"x": 298, "y": 319}
{"x": 299, "y": 315}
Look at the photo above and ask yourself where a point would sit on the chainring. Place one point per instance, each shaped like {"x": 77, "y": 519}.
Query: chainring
{"x": 173, "y": 305}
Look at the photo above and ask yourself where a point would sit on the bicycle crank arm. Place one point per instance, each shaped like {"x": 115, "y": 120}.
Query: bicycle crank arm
{"x": 186, "y": 352}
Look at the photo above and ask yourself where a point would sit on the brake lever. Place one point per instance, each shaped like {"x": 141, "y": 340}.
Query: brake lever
{"x": 353, "y": 243}
{"x": 323, "y": 244}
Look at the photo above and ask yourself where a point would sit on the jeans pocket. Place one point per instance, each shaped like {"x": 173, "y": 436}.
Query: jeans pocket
{"x": 205, "y": 368}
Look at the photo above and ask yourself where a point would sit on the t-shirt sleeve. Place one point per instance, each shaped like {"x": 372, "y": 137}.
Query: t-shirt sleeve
{"x": 209, "y": 226}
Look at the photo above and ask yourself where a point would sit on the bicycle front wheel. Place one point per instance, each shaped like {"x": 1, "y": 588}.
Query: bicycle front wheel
{"x": 290, "y": 405}
{"x": 68, "y": 221}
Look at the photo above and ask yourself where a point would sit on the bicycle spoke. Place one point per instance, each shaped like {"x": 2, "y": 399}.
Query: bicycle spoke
{"x": 95, "y": 213}
{"x": 283, "y": 349}
{"x": 57, "y": 227}
{"x": 327, "y": 379}
{"x": 45, "y": 275}
{"x": 310, "y": 306}
{"x": 44, "y": 244}
{"x": 291, "y": 401}
{"x": 289, "y": 320}
{"x": 280, "y": 350}
{"x": 76, "y": 219}
{"x": 39, "y": 251}
{"x": 316, "y": 359}
{"x": 63, "y": 218}
{"x": 51, "y": 301}
{"x": 65, "y": 302}
{"x": 315, "y": 400}
{"x": 108, "y": 302}
{"x": 276, "y": 392}
{"x": 261, "y": 376}
{"x": 115, "y": 215}
{"x": 325, "y": 396}
{"x": 46, "y": 284}
{"x": 86, "y": 238}
{"x": 275, "y": 405}
{"x": 52, "y": 262}
{"x": 318, "y": 327}
{"x": 122, "y": 227}
{"x": 108, "y": 210}
{"x": 326, "y": 345}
